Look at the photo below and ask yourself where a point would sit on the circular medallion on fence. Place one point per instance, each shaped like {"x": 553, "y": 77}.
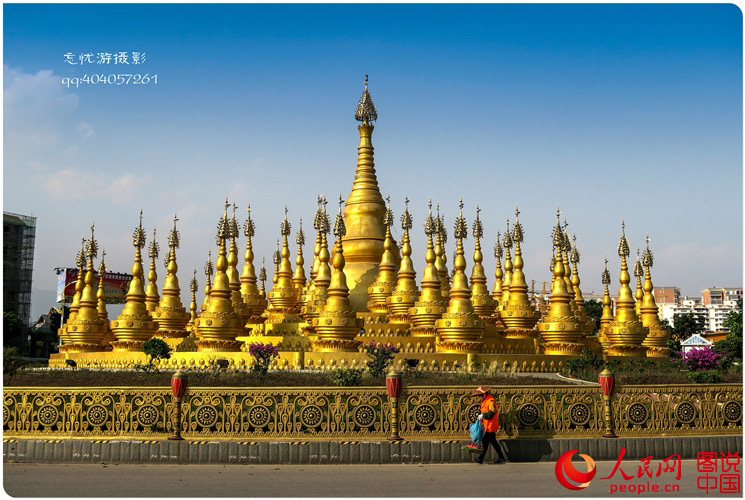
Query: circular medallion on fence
{"x": 527, "y": 414}
{"x": 424, "y": 415}
{"x": 579, "y": 414}
{"x": 311, "y": 416}
{"x": 147, "y": 415}
{"x": 258, "y": 416}
{"x": 206, "y": 416}
{"x": 6, "y": 414}
{"x": 685, "y": 412}
{"x": 364, "y": 416}
{"x": 48, "y": 415}
{"x": 473, "y": 412}
{"x": 637, "y": 413}
{"x": 97, "y": 415}
{"x": 732, "y": 411}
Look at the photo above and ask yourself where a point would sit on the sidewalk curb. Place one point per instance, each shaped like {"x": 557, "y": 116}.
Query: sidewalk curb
{"x": 347, "y": 452}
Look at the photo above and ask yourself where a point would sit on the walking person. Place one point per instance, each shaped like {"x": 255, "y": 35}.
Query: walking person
{"x": 489, "y": 416}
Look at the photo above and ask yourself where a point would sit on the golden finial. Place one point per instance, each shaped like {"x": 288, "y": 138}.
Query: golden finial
{"x": 154, "y": 247}
{"x": 498, "y": 250}
{"x": 478, "y": 227}
{"x": 209, "y": 270}
{"x": 298, "y": 279}
{"x": 440, "y": 256}
{"x": 174, "y": 237}
{"x": 575, "y": 253}
{"x": 249, "y": 228}
{"x": 340, "y": 229}
{"x": 300, "y": 236}
{"x": 517, "y": 229}
{"x": 285, "y": 227}
{"x": 647, "y": 256}
{"x": 366, "y": 112}
{"x": 506, "y": 282}
{"x": 405, "y": 295}
{"x": 101, "y": 294}
{"x": 234, "y": 231}
{"x": 461, "y": 227}
{"x": 482, "y": 301}
{"x": 508, "y": 237}
{"x": 623, "y": 244}
{"x": 80, "y": 258}
{"x": 606, "y": 275}
{"x": 498, "y": 275}
{"x": 138, "y": 238}
{"x": 638, "y": 270}
{"x": 276, "y": 256}
{"x": 193, "y": 285}
{"x": 102, "y": 266}
{"x": 92, "y": 245}
{"x": 262, "y": 277}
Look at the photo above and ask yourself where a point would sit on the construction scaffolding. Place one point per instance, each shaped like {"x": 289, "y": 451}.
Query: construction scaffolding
{"x": 19, "y": 236}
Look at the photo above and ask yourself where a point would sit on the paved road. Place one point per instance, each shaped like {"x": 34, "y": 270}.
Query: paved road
{"x": 440, "y": 480}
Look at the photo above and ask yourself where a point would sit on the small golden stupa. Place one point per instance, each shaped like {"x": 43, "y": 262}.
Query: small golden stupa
{"x": 626, "y": 332}
{"x": 250, "y": 294}
{"x": 518, "y": 314}
{"x": 560, "y": 329}
{"x": 498, "y": 274}
{"x": 298, "y": 279}
{"x": 337, "y": 325}
{"x": 404, "y": 296}
{"x": 431, "y": 305}
{"x": 656, "y": 341}
{"x": 507, "y": 269}
{"x": 386, "y": 280}
{"x": 319, "y": 288}
{"x": 87, "y": 329}
{"x": 587, "y": 322}
{"x": 75, "y": 304}
{"x": 460, "y": 328}
{"x": 152, "y": 298}
{"x": 134, "y": 326}
{"x": 441, "y": 260}
{"x": 170, "y": 315}
{"x": 638, "y": 273}
{"x": 483, "y": 303}
{"x": 101, "y": 298}
{"x": 219, "y": 325}
{"x": 193, "y": 288}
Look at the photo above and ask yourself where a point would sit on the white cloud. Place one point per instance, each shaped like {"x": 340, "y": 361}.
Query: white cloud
{"x": 85, "y": 130}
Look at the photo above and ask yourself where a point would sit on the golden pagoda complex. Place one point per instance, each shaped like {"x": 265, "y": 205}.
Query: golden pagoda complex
{"x": 366, "y": 291}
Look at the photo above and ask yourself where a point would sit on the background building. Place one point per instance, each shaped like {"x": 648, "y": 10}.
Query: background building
{"x": 19, "y": 235}
{"x": 667, "y": 294}
{"x": 718, "y": 296}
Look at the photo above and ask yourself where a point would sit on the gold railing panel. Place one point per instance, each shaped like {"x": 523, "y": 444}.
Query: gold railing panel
{"x": 364, "y": 412}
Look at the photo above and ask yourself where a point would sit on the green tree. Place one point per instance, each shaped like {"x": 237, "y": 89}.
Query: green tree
{"x": 156, "y": 349}
{"x": 595, "y": 311}
{"x": 686, "y": 325}
{"x": 11, "y": 326}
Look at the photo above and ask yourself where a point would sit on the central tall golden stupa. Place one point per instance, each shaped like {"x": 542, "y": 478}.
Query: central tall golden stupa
{"x": 362, "y": 288}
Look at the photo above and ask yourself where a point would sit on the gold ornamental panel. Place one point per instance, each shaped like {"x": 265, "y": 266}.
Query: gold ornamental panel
{"x": 364, "y": 412}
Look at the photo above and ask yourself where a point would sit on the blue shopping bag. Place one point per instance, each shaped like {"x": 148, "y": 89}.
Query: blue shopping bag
{"x": 477, "y": 431}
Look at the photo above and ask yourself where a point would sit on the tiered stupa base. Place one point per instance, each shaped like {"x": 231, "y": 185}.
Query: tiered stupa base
{"x": 627, "y": 351}
{"x": 525, "y": 333}
{"x": 172, "y": 337}
{"x": 127, "y": 345}
{"x": 562, "y": 348}
{"x": 219, "y": 345}
{"x": 87, "y": 347}
{"x": 658, "y": 352}
{"x": 459, "y": 346}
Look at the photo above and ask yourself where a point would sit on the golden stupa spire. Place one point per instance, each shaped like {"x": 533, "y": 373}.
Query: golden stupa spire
{"x": 209, "y": 269}
{"x": 440, "y": 256}
{"x": 498, "y": 274}
{"x": 626, "y": 332}
{"x": 298, "y": 279}
{"x": 385, "y": 283}
{"x": 319, "y": 289}
{"x": 80, "y": 282}
{"x": 607, "y": 316}
{"x": 460, "y": 327}
{"x": 430, "y": 305}
{"x": 656, "y": 341}
{"x": 567, "y": 268}
{"x": 483, "y": 303}
{"x": 241, "y": 308}
{"x": 87, "y": 330}
{"x": 276, "y": 259}
{"x": 638, "y": 273}
{"x": 193, "y": 288}
{"x": 588, "y": 323}
{"x": 317, "y": 246}
{"x": 101, "y": 293}
{"x": 559, "y": 327}
{"x": 262, "y": 277}
{"x": 338, "y": 324}
{"x": 170, "y": 315}
{"x": 135, "y": 324}
{"x": 283, "y": 298}
{"x": 219, "y": 325}
{"x": 152, "y": 298}
{"x": 249, "y": 291}
{"x": 364, "y": 211}
{"x": 406, "y": 292}
{"x": 507, "y": 267}
{"x": 519, "y": 314}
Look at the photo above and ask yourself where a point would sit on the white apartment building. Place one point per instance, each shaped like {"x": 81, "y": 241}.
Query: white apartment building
{"x": 713, "y": 315}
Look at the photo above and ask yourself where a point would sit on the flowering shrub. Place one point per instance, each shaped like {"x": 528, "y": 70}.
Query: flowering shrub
{"x": 381, "y": 356}
{"x": 263, "y": 354}
{"x": 698, "y": 360}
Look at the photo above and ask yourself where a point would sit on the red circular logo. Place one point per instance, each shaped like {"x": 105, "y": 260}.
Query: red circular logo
{"x": 565, "y": 471}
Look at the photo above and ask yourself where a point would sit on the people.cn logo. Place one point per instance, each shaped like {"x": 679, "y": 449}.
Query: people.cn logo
{"x": 567, "y": 475}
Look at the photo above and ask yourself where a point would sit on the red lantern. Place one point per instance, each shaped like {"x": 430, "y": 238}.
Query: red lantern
{"x": 393, "y": 385}
{"x": 178, "y": 385}
{"x": 607, "y": 382}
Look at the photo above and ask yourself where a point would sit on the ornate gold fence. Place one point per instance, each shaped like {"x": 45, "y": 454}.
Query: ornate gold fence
{"x": 364, "y": 412}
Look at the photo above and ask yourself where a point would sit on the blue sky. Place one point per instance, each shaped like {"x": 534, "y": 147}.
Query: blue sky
{"x": 610, "y": 111}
